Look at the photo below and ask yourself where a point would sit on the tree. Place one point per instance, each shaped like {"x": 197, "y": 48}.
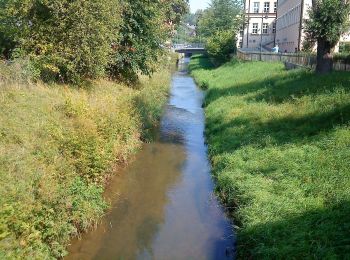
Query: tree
{"x": 147, "y": 24}
{"x": 328, "y": 20}
{"x": 192, "y": 19}
{"x": 64, "y": 40}
{"x": 175, "y": 10}
{"x": 218, "y": 26}
{"x": 220, "y": 16}
{"x": 221, "y": 45}
{"x": 72, "y": 41}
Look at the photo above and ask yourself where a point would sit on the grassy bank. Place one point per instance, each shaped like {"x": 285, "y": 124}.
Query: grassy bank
{"x": 279, "y": 142}
{"x": 58, "y": 146}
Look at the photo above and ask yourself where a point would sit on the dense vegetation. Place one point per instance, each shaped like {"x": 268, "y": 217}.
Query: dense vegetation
{"x": 344, "y": 48}
{"x": 59, "y": 142}
{"x": 328, "y": 20}
{"x": 279, "y": 142}
{"x": 218, "y": 26}
{"x": 73, "y": 41}
{"x": 58, "y": 146}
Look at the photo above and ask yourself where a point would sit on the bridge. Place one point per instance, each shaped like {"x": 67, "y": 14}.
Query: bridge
{"x": 190, "y": 49}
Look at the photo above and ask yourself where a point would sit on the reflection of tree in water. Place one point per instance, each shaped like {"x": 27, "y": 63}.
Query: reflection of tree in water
{"x": 139, "y": 212}
{"x": 145, "y": 236}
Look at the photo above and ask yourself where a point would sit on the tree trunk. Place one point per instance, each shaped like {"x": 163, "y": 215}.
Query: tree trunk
{"x": 324, "y": 57}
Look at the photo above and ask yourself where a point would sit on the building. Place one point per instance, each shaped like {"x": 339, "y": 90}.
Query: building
{"x": 289, "y": 24}
{"x": 290, "y": 35}
{"x": 272, "y": 23}
{"x": 259, "y": 28}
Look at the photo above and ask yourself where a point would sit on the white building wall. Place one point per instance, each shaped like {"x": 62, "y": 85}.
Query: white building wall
{"x": 289, "y": 32}
{"x": 259, "y": 25}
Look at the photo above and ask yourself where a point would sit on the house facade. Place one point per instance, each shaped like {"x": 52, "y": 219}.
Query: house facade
{"x": 289, "y": 24}
{"x": 280, "y": 22}
{"x": 259, "y": 29}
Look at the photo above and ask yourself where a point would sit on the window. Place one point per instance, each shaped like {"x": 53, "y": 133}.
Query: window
{"x": 275, "y": 7}
{"x": 265, "y": 28}
{"x": 256, "y": 7}
{"x": 266, "y": 7}
{"x": 274, "y": 27}
{"x": 255, "y": 28}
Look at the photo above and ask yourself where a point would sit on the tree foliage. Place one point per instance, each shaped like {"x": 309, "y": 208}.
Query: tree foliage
{"x": 142, "y": 31}
{"x": 192, "y": 18}
{"x": 146, "y": 26}
{"x": 221, "y": 45}
{"x": 218, "y": 26}
{"x": 65, "y": 40}
{"x": 71, "y": 41}
{"x": 175, "y": 10}
{"x": 220, "y": 16}
{"x": 328, "y": 20}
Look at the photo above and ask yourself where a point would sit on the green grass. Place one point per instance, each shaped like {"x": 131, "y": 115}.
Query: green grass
{"x": 58, "y": 147}
{"x": 279, "y": 142}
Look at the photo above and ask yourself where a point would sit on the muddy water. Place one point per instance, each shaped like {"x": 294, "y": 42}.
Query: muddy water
{"x": 163, "y": 202}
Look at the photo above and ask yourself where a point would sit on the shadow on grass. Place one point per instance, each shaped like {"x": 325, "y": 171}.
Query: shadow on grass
{"x": 316, "y": 234}
{"x": 283, "y": 88}
{"x": 288, "y": 233}
{"x": 200, "y": 62}
{"x": 242, "y": 131}
{"x": 245, "y": 129}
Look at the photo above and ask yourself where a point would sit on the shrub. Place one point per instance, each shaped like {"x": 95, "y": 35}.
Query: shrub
{"x": 221, "y": 45}
{"x": 66, "y": 40}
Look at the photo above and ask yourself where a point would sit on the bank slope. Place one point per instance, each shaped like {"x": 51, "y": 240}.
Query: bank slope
{"x": 279, "y": 142}
{"x": 58, "y": 146}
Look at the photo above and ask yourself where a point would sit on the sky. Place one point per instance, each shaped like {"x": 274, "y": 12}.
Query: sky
{"x": 198, "y": 4}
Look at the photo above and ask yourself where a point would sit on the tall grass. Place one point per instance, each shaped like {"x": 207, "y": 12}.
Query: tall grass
{"x": 279, "y": 142}
{"x": 58, "y": 146}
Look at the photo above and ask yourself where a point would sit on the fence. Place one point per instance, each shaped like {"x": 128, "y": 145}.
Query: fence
{"x": 296, "y": 59}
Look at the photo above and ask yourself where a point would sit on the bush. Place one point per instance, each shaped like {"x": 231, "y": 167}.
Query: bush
{"x": 221, "y": 45}
{"x": 66, "y": 40}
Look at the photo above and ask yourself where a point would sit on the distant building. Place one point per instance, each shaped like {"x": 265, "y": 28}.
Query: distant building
{"x": 260, "y": 25}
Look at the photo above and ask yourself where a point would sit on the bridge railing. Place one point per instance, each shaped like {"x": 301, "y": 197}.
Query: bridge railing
{"x": 196, "y": 45}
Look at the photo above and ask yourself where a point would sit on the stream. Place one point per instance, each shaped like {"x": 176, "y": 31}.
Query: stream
{"x": 163, "y": 206}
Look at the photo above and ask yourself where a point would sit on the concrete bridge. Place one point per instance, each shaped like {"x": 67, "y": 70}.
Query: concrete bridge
{"x": 191, "y": 49}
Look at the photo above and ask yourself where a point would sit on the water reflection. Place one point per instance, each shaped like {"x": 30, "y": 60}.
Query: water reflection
{"x": 164, "y": 208}
{"x": 130, "y": 228}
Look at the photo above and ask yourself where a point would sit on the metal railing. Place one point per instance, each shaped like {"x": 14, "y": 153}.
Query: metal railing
{"x": 189, "y": 46}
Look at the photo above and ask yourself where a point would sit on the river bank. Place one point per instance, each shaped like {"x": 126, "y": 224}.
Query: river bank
{"x": 163, "y": 205}
{"x": 58, "y": 147}
{"x": 279, "y": 143}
